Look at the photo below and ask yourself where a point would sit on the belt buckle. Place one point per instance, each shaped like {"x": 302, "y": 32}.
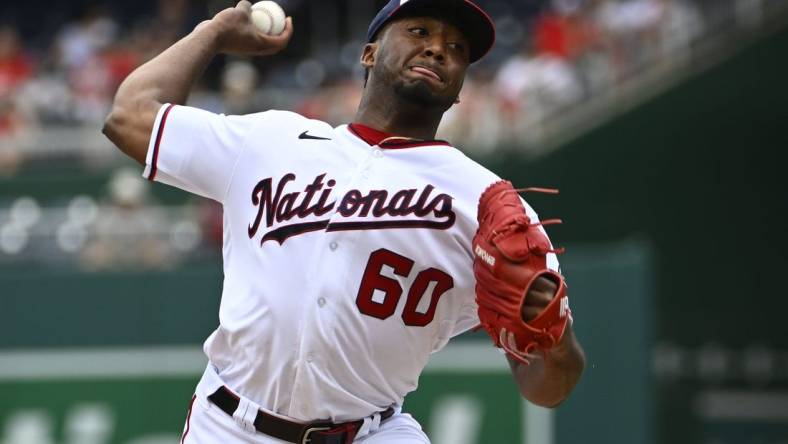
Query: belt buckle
{"x": 306, "y": 439}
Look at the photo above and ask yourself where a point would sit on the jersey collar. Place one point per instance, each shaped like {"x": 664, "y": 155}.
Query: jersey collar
{"x": 386, "y": 140}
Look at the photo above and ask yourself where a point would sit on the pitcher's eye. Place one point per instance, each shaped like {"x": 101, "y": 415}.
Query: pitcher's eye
{"x": 418, "y": 31}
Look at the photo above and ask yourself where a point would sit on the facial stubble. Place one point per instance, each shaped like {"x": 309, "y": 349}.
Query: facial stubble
{"x": 420, "y": 94}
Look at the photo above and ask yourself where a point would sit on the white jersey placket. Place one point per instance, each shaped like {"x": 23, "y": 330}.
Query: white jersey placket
{"x": 325, "y": 282}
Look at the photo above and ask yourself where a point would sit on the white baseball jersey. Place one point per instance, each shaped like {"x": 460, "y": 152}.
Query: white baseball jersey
{"x": 347, "y": 257}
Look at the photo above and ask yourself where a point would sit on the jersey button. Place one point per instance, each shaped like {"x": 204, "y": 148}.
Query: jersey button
{"x": 321, "y": 301}
{"x": 377, "y": 153}
{"x": 333, "y": 246}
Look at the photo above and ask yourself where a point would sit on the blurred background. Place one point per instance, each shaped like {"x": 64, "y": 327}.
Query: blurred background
{"x": 662, "y": 121}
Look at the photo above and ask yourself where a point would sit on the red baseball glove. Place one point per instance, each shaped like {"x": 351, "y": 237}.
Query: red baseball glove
{"x": 510, "y": 254}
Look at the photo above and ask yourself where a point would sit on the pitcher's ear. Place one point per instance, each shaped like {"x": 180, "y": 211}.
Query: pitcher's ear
{"x": 368, "y": 55}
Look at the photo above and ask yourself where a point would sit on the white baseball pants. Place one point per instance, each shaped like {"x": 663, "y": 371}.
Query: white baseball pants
{"x": 208, "y": 424}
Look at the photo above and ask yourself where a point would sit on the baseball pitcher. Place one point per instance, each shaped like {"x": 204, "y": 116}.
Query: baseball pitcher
{"x": 351, "y": 253}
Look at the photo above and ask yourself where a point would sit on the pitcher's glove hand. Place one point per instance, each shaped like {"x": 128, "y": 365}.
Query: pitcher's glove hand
{"x": 510, "y": 257}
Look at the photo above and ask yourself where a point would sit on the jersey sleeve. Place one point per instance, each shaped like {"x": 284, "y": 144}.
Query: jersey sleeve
{"x": 196, "y": 150}
{"x": 469, "y": 317}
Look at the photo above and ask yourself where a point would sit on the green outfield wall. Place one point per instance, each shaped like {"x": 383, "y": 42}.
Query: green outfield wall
{"x": 117, "y": 356}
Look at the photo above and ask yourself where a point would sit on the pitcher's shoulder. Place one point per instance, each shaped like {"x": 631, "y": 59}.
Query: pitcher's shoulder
{"x": 276, "y": 117}
{"x": 472, "y": 175}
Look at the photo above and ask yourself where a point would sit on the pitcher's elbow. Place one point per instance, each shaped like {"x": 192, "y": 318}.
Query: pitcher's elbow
{"x": 120, "y": 130}
{"x": 112, "y": 125}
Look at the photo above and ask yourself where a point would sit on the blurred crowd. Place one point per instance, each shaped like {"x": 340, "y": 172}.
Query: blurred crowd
{"x": 120, "y": 227}
{"x": 547, "y": 59}
{"x": 72, "y": 79}
{"x": 551, "y": 57}
{"x": 575, "y": 50}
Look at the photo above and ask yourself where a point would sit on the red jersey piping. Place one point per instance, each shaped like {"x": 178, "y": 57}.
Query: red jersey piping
{"x": 188, "y": 419}
{"x": 155, "y": 158}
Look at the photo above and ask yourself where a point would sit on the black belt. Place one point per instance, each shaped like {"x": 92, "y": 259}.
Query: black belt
{"x": 319, "y": 432}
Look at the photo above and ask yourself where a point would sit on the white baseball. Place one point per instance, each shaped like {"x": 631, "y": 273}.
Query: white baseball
{"x": 268, "y": 17}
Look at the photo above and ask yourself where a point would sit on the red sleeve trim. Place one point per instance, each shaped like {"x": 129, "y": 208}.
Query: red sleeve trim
{"x": 155, "y": 160}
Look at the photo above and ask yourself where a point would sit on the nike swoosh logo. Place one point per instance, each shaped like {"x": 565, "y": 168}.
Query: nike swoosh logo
{"x": 306, "y": 136}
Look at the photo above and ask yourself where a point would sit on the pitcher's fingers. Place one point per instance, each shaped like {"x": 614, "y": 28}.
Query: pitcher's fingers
{"x": 287, "y": 32}
{"x": 544, "y": 284}
{"x": 530, "y": 313}
{"x": 537, "y": 298}
{"x": 281, "y": 40}
{"x": 244, "y": 6}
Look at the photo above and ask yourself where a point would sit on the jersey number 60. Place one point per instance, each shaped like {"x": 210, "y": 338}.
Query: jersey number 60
{"x": 385, "y": 306}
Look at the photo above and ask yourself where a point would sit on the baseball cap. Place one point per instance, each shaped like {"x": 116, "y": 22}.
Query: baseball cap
{"x": 472, "y": 20}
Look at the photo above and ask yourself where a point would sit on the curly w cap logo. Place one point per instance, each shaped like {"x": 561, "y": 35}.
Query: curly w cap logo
{"x": 402, "y": 2}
